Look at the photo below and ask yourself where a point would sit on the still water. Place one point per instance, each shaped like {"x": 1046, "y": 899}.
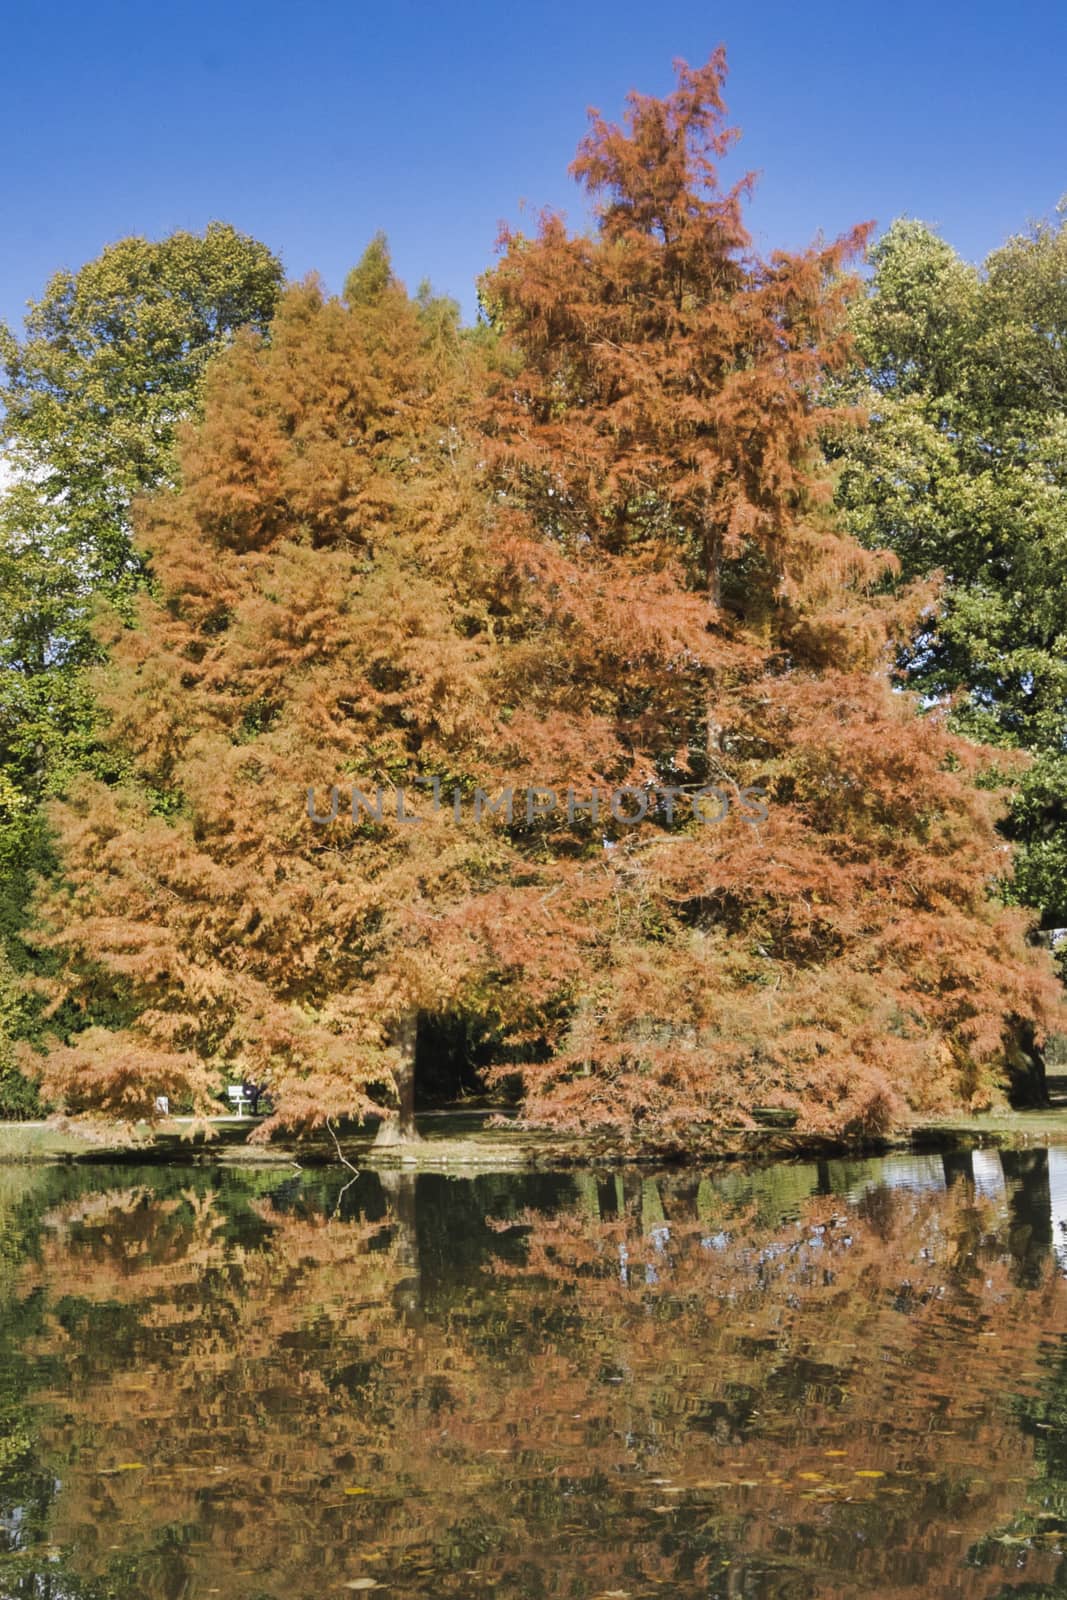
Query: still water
{"x": 808, "y": 1380}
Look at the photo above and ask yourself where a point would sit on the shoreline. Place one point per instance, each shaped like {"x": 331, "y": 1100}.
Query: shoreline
{"x": 460, "y": 1142}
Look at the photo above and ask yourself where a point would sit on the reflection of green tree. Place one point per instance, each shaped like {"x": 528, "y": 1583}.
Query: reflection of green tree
{"x": 771, "y": 1192}
{"x": 1043, "y": 1522}
{"x": 27, "y": 1485}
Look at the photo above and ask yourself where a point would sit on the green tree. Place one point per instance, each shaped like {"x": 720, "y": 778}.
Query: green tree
{"x": 962, "y": 472}
{"x": 372, "y": 274}
{"x": 109, "y": 365}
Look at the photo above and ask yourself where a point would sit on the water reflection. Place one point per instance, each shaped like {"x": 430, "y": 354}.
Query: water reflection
{"x": 812, "y": 1380}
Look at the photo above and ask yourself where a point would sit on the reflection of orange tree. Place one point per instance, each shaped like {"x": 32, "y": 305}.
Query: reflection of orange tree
{"x": 235, "y": 1395}
{"x": 672, "y": 1395}
{"x": 838, "y": 1391}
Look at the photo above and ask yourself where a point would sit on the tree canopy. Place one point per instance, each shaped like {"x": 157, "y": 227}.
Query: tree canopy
{"x": 593, "y": 551}
{"x": 845, "y": 957}
{"x": 960, "y": 471}
{"x": 109, "y": 364}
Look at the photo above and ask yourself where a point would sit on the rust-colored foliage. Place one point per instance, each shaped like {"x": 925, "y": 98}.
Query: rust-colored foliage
{"x": 598, "y": 556}
{"x": 846, "y": 957}
{"x": 319, "y": 621}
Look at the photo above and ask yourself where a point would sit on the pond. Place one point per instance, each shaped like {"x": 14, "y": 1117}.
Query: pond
{"x": 807, "y": 1380}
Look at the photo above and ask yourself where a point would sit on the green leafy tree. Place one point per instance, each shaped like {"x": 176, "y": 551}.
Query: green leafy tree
{"x": 962, "y": 472}
{"x": 109, "y": 365}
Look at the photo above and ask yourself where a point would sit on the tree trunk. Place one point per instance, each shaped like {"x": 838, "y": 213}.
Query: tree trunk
{"x": 1025, "y": 1063}
{"x": 400, "y": 1189}
{"x": 652, "y": 1212}
{"x": 713, "y": 584}
{"x": 713, "y": 563}
{"x": 588, "y": 1194}
{"x": 403, "y": 1036}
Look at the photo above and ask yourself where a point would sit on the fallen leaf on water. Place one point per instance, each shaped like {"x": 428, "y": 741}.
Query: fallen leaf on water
{"x": 356, "y": 1489}
{"x": 868, "y": 1473}
{"x": 835, "y": 1452}
{"x": 362, "y": 1583}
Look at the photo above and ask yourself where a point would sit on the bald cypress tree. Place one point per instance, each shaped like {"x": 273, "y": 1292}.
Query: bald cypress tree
{"x": 842, "y": 956}
{"x": 316, "y": 629}
{"x": 590, "y": 552}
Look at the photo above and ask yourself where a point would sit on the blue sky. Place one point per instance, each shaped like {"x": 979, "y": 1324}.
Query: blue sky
{"x": 312, "y": 125}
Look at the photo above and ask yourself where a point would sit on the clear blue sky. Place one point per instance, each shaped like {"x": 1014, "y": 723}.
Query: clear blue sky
{"x": 311, "y": 125}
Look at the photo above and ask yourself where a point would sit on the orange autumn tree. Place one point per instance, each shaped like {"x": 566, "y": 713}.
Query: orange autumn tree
{"x": 845, "y": 957}
{"x": 600, "y": 558}
{"x": 318, "y": 625}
